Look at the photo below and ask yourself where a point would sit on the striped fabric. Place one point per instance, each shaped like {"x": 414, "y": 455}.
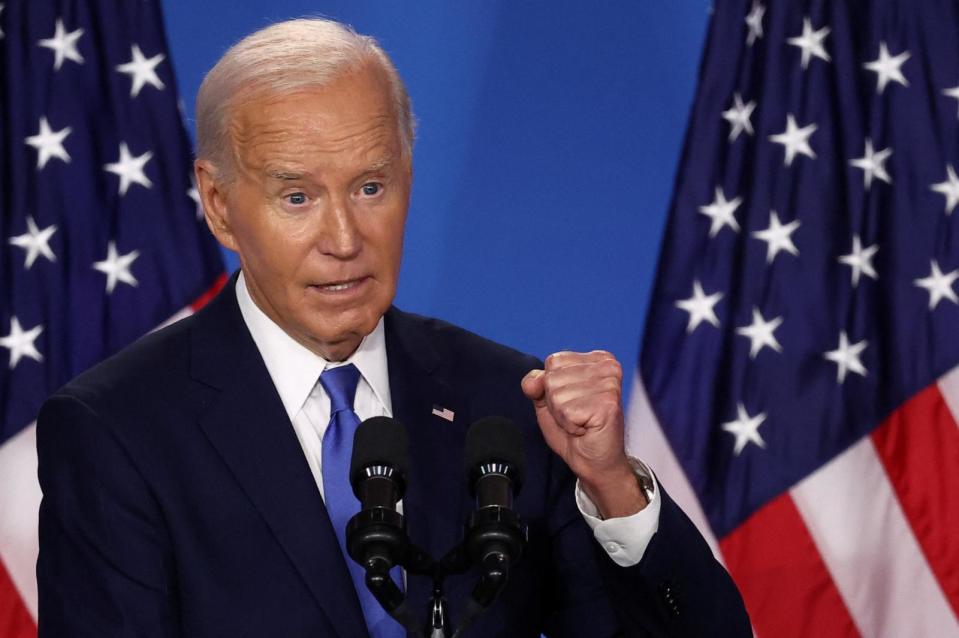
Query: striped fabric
{"x": 100, "y": 233}
{"x": 798, "y": 390}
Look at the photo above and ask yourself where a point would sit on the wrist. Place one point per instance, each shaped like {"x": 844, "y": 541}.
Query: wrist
{"x": 616, "y": 493}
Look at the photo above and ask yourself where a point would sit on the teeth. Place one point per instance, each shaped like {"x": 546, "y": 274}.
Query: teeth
{"x": 336, "y": 287}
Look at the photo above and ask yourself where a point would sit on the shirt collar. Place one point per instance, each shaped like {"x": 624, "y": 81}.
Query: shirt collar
{"x": 295, "y": 369}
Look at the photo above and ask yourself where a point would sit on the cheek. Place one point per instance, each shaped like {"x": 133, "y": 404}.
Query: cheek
{"x": 393, "y": 235}
{"x": 390, "y": 245}
{"x": 271, "y": 244}
{"x": 383, "y": 234}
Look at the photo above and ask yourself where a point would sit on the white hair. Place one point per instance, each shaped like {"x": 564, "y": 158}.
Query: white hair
{"x": 285, "y": 58}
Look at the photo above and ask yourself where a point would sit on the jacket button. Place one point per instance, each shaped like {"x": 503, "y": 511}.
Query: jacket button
{"x": 669, "y": 594}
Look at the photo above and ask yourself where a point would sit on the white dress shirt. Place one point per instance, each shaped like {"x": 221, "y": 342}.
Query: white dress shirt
{"x": 295, "y": 372}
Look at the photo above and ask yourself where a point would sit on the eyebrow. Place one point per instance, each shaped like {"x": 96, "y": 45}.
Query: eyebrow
{"x": 290, "y": 175}
{"x": 283, "y": 175}
{"x": 379, "y": 165}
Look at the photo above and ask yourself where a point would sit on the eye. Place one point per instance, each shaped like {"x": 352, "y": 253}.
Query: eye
{"x": 371, "y": 188}
{"x": 297, "y": 199}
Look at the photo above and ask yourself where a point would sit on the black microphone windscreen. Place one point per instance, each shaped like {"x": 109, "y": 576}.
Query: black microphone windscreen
{"x": 495, "y": 439}
{"x": 380, "y": 440}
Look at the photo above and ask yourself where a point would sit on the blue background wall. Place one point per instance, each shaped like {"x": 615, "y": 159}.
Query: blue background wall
{"x": 548, "y": 139}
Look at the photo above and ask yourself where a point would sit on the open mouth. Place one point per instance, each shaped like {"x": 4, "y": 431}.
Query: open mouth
{"x": 341, "y": 286}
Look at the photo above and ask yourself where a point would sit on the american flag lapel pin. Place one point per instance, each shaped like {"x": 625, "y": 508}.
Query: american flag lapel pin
{"x": 443, "y": 413}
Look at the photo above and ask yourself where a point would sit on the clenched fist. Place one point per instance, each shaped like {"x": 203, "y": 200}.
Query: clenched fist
{"x": 578, "y": 400}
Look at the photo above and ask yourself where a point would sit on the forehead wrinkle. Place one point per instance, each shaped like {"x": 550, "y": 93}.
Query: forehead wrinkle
{"x": 286, "y": 132}
{"x": 346, "y": 134}
{"x": 246, "y": 140}
{"x": 278, "y": 137}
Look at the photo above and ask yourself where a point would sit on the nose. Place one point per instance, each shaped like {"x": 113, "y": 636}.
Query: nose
{"x": 339, "y": 235}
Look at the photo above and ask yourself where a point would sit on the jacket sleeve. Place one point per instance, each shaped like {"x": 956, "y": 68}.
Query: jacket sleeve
{"x": 678, "y": 588}
{"x": 105, "y": 568}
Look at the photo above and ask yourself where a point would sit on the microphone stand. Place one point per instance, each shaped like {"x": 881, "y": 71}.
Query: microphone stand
{"x": 377, "y": 540}
{"x": 495, "y": 539}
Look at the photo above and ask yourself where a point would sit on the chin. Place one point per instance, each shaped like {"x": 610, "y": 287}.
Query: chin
{"x": 332, "y": 334}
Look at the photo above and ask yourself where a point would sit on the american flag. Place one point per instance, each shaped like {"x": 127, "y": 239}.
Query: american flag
{"x": 101, "y": 238}
{"x": 799, "y": 390}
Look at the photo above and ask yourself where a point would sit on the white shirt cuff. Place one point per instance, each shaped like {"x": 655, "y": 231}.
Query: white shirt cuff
{"x": 625, "y": 539}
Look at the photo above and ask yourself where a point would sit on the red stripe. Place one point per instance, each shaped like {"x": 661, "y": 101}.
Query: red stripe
{"x": 786, "y": 586}
{"x": 919, "y": 447}
{"x": 205, "y": 298}
{"x": 15, "y": 620}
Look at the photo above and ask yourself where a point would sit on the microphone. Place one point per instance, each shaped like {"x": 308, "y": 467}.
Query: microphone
{"x": 495, "y": 465}
{"x": 376, "y": 536}
{"x": 380, "y": 461}
{"x": 495, "y": 461}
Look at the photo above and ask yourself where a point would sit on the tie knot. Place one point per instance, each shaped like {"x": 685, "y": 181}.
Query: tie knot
{"x": 340, "y": 385}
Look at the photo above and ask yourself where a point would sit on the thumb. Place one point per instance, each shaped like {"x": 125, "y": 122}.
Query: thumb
{"x": 534, "y": 387}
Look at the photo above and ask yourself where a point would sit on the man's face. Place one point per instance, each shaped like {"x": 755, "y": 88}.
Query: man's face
{"x": 316, "y": 208}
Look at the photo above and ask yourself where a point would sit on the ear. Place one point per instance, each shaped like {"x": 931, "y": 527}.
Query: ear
{"x": 213, "y": 194}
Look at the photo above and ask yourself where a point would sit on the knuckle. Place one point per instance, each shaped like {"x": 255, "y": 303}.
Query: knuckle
{"x": 555, "y": 360}
{"x": 570, "y": 357}
{"x": 612, "y": 385}
{"x": 550, "y": 382}
{"x": 612, "y": 367}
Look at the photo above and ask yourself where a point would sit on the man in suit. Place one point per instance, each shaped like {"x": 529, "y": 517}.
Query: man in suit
{"x": 193, "y": 484}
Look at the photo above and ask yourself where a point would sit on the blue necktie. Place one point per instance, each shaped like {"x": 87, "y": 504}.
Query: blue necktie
{"x": 341, "y": 504}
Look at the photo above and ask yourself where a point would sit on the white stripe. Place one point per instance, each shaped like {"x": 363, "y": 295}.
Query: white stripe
{"x": 852, "y": 513}
{"x": 645, "y": 440}
{"x": 180, "y": 314}
{"x": 20, "y": 505}
{"x": 949, "y": 388}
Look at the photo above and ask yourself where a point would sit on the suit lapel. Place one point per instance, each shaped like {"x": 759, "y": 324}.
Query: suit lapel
{"x": 433, "y": 504}
{"x": 250, "y": 429}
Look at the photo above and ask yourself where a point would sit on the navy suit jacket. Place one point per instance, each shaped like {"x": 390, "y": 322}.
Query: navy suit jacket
{"x": 177, "y": 502}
